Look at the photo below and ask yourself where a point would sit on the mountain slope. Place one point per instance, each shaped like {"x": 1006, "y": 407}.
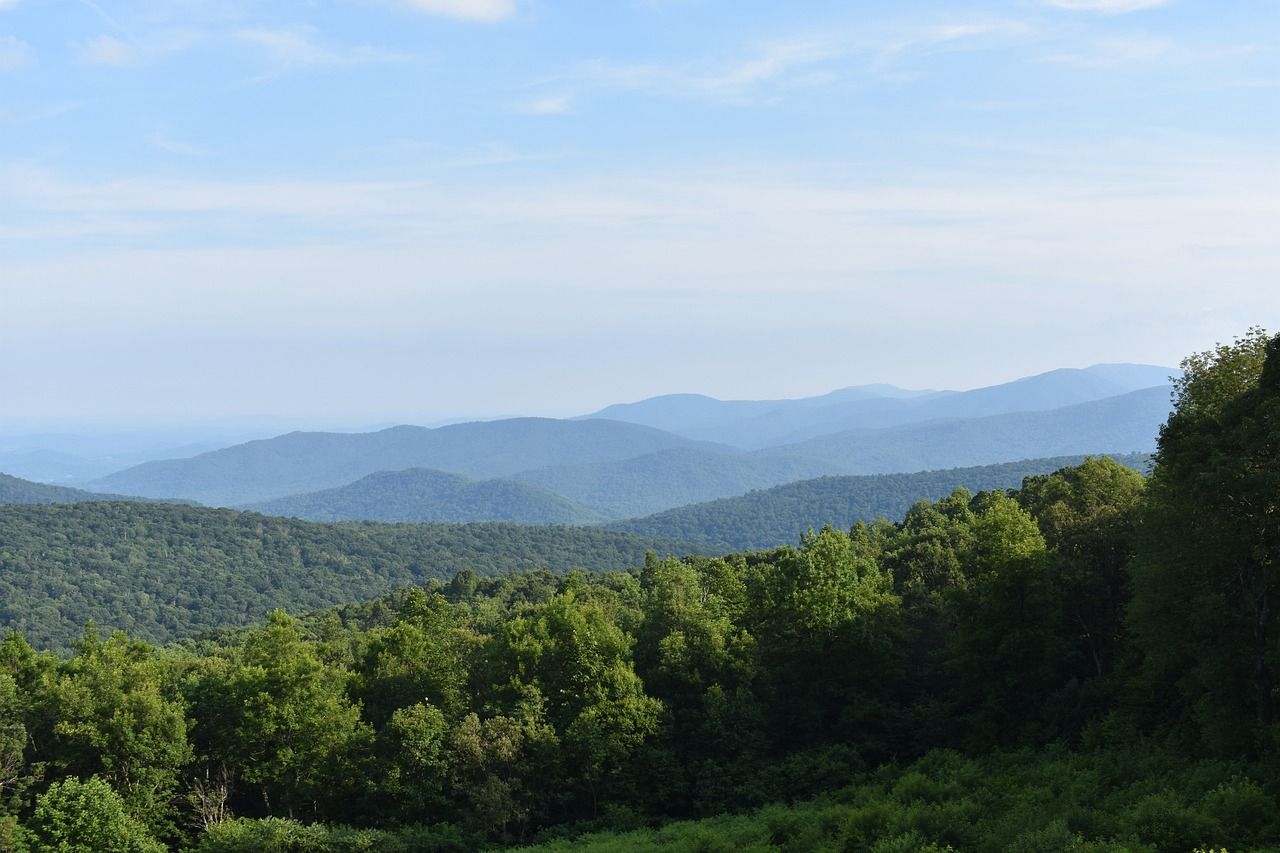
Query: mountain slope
{"x": 17, "y": 491}
{"x": 1128, "y": 423}
{"x": 759, "y": 424}
{"x": 304, "y": 462}
{"x": 162, "y": 571}
{"x": 423, "y": 495}
{"x": 674, "y": 478}
{"x": 669, "y": 478}
{"x": 777, "y": 516}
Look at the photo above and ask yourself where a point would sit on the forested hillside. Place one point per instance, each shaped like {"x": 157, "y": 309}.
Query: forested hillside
{"x": 773, "y": 517}
{"x": 17, "y": 491}
{"x": 161, "y": 571}
{"x": 422, "y": 495}
{"x": 1084, "y": 664}
{"x": 657, "y": 481}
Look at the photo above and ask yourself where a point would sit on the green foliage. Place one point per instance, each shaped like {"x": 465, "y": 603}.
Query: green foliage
{"x": 820, "y": 692}
{"x": 283, "y": 717}
{"x": 280, "y": 835}
{"x": 1130, "y": 799}
{"x": 17, "y": 491}
{"x": 86, "y": 817}
{"x": 420, "y": 495}
{"x": 161, "y": 571}
{"x": 119, "y": 716}
{"x": 772, "y": 517}
{"x": 1206, "y": 585}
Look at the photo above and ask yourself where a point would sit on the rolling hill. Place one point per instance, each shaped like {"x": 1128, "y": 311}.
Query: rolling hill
{"x": 777, "y": 516}
{"x": 14, "y": 490}
{"x": 423, "y": 495}
{"x": 162, "y": 571}
{"x": 302, "y": 462}
{"x": 657, "y": 481}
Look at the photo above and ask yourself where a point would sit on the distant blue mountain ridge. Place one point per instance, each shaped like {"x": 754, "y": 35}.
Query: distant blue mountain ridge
{"x": 636, "y": 459}
{"x": 755, "y": 424}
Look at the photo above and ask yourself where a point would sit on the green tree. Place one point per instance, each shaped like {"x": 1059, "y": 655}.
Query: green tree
{"x": 282, "y": 718}
{"x": 423, "y": 657}
{"x": 504, "y": 768}
{"x": 1088, "y": 516}
{"x": 415, "y": 767}
{"x": 119, "y": 715}
{"x": 86, "y": 817}
{"x": 576, "y": 657}
{"x": 1206, "y": 579}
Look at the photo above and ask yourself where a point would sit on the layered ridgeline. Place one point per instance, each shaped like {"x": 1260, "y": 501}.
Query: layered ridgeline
{"x": 616, "y": 470}
{"x": 660, "y": 481}
{"x": 162, "y": 571}
{"x": 309, "y": 461}
{"x": 773, "y": 517}
{"x": 423, "y": 495}
{"x": 1086, "y": 663}
{"x": 14, "y": 490}
{"x": 753, "y": 424}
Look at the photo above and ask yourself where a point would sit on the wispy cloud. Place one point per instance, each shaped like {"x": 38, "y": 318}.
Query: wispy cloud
{"x": 468, "y": 10}
{"x": 1106, "y": 7}
{"x": 739, "y": 81}
{"x": 296, "y": 47}
{"x": 547, "y": 106}
{"x": 968, "y": 35}
{"x": 7, "y": 4}
{"x": 109, "y": 51}
{"x": 763, "y": 72}
{"x": 164, "y": 142}
{"x": 15, "y": 53}
{"x": 1111, "y": 52}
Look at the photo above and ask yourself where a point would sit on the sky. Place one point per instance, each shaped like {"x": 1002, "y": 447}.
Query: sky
{"x": 351, "y": 212}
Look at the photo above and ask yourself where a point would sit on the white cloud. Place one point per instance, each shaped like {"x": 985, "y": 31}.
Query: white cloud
{"x": 14, "y": 53}
{"x": 548, "y": 106}
{"x": 1096, "y": 248}
{"x": 110, "y": 51}
{"x": 1107, "y": 7}
{"x": 469, "y": 10}
{"x": 298, "y": 46}
{"x": 7, "y": 4}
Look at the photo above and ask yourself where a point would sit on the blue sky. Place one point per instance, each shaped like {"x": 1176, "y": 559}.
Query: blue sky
{"x": 402, "y": 210}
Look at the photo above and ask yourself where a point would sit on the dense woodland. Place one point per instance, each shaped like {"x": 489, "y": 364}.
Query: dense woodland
{"x": 423, "y": 495}
{"x": 770, "y": 517}
{"x": 1089, "y": 662}
{"x": 160, "y": 572}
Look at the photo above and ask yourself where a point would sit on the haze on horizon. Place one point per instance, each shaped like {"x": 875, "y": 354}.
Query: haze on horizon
{"x": 408, "y": 210}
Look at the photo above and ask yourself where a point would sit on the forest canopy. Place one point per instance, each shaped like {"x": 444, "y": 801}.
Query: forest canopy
{"x": 1088, "y": 662}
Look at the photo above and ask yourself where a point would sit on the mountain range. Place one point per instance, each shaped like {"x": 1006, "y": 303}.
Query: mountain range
{"x": 634, "y": 460}
{"x": 753, "y": 424}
